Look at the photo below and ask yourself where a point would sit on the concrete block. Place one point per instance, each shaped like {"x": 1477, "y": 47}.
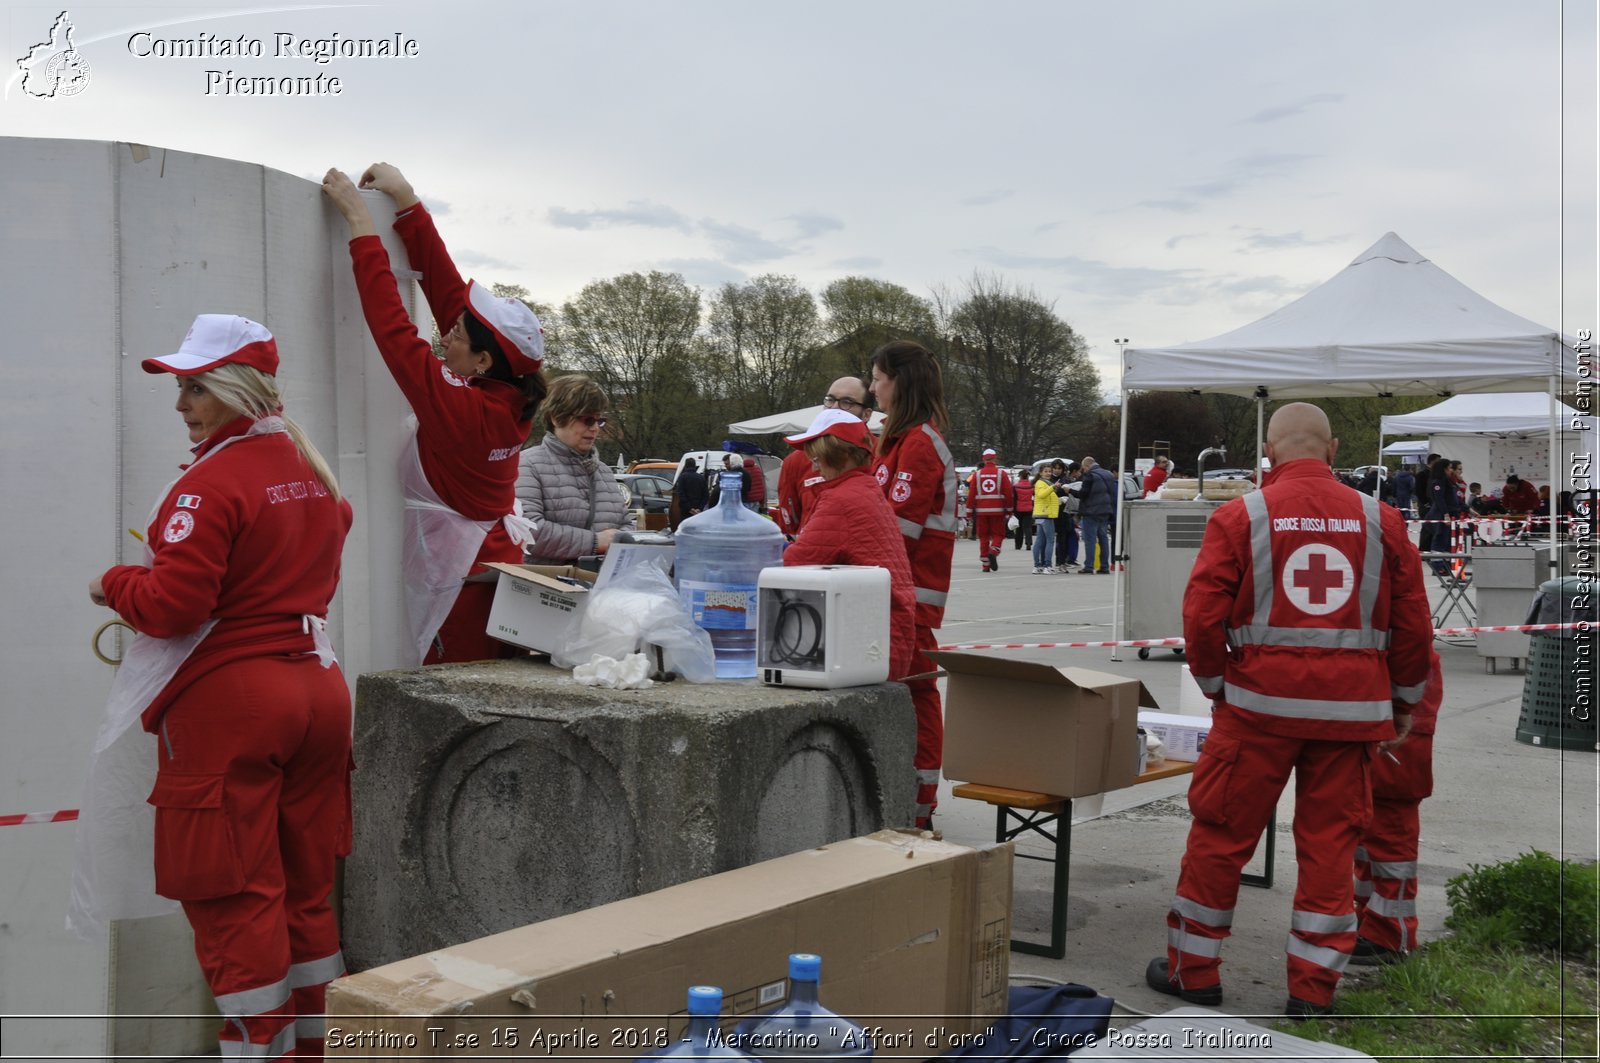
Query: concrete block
{"x": 500, "y": 793}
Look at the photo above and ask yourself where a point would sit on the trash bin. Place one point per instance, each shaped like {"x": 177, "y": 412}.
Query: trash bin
{"x": 1558, "y": 696}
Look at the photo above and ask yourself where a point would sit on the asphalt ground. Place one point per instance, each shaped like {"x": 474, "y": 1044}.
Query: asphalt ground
{"x": 1494, "y": 798}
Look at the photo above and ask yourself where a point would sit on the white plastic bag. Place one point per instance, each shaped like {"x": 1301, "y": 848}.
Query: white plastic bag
{"x": 1011, "y": 523}
{"x": 637, "y": 610}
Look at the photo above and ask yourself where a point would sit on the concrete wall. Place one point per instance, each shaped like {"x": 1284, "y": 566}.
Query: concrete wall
{"x": 111, "y": 250}
{"x": 493, "y": 795}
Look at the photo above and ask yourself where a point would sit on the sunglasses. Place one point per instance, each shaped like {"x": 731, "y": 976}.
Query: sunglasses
{"x": 591, "y": 421}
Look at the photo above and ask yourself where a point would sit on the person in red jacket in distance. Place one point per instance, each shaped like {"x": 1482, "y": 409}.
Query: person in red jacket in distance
{"x": 850, "y": 522}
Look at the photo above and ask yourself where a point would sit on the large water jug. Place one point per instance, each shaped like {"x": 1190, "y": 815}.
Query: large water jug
{"x": 702, "y": 1038}
{"x": 721, "y": 553}
{"x": 801, "y": 1028}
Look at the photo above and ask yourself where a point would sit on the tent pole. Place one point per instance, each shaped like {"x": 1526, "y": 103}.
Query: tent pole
{"x": 1555, "y": 561}
{"x": 1120, "y": 510}
{"x": 1261, "y": 433}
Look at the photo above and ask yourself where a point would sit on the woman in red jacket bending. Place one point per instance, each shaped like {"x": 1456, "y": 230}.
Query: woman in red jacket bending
{"x": 918, "y": 474}
{"x": 849, "y": 523}
{"x": 233, "y": 672}
{"x": 474, "y": 411}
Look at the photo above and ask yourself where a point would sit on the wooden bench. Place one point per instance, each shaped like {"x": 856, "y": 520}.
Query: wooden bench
{"x": 1021, "y": 811}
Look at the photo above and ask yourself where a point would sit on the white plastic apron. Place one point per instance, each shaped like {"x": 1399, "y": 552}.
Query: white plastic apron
{"x": 113, "y": 873}
{"x": 439, "y": 548}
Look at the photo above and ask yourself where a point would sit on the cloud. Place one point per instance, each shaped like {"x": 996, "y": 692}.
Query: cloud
{"x": 1091, "y": 276}
{"x": 1179, "y": 206}
{"x": 705, "y": 272}
{"x": 473, "y": 260}
{"x": 736, "y": 243}
{"x": 983, "y": 199}
{"x": 638, "y": 212}
{"x": 1173, "y": 241}
{"x": 858, "y": 262}
{"x": 812, "y": 224}
{"x": 1265, "y": 241}
{"x": 1273, "y": 114}
{"x": 1040, "y": 230}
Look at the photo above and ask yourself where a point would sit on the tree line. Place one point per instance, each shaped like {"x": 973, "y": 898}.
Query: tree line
{"x": 680, "y": 364}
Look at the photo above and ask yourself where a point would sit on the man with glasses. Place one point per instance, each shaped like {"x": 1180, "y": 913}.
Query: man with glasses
{"x": 797, "y": 480}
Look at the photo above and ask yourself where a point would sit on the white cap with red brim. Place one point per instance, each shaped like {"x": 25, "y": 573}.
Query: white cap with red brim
{"x": 988, "y": 452}
{"x": 846, "y": 426}
{"x": 515, "y": 327}
{"x": 219, "y": 339}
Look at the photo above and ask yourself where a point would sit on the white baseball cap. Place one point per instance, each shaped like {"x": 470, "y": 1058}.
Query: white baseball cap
{"x": 515, "y": 327}
{"x": 219, "y": 339}
{"x": 847, "y": 426}
{"x": 988, "y": 452}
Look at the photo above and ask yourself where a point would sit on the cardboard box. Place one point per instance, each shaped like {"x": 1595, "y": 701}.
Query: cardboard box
{"x": 1032, "y": 726}
{"x": 1183, "y": 735}
{"x": 535, "y": 604}
{"x": 914, "y": 936}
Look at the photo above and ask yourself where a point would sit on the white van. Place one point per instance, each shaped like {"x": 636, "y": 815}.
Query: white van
{"x": 705, "y": 460}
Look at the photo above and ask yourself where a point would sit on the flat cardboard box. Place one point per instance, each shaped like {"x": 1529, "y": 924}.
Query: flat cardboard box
{"x": 913, "y": 933}
{"x": 1183, "y": 735}
{"x": 1032, "y": 726}
{"x": 533, "y": 607}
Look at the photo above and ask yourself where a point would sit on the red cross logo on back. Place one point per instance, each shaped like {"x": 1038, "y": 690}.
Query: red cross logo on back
{"x": 1317, "y": 579}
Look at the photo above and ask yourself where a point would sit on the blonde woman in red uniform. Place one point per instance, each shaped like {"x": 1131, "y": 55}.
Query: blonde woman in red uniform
{"x": 918, "y": 474}
{"x": 252, "y": 785}
{"x": 474, "y": 411}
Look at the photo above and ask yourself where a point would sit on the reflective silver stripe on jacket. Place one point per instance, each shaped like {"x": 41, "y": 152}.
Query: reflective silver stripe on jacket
{"x": 1332, "y": 959}
{"x": 1399, "y": 869}
{"x": 1193, "y": 944}
{"x": 1322, "y": 923}
{"x": 1308, "y": 708}
{"x": 1364, "y": 887}
{"x": 1392, "y": 908}
{"x": 1212, "y": 917}
{"x": 1211, "y": 684}
{"x": 927, "y": 776}
{"x": 316, "y": 972}
{"x": 259, "y": 1001}
{"x": 910, "y": 528}
{"x": 1323, "y": 638}
{"x": 1410, "y": 695}
{"x": 931, "y": 597}
{"x": 945, "y": 519}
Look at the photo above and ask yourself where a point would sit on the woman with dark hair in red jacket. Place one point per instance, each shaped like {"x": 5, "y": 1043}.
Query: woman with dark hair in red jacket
{"x": 474, "y": 411}
{"x": 918, "y": 474}
{"x": 849, "y": 522}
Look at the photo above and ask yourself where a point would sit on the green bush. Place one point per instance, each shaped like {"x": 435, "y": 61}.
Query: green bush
{"x": 1544, "y": 902}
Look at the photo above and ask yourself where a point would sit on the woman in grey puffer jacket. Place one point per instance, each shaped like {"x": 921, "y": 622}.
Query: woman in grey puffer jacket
{"x": 570, "y": 495}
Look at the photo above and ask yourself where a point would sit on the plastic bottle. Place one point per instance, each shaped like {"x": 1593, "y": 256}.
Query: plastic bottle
{"x": 801, "y": 1028}
{"x": 702, "y": 1039}
{"x": 721, "y": 553}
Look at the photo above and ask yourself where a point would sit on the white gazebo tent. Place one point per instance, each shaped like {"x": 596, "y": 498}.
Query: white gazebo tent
{"x": 790, "y": 423}
{"x": 1462, "y": 426}
{"x": 1389, "y": 323}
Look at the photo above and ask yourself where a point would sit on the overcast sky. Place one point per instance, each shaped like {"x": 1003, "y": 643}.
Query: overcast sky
{"x": 1164, "y": 170}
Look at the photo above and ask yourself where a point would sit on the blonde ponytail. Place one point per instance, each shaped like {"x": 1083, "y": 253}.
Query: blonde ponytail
{"x": 252, "y": 393}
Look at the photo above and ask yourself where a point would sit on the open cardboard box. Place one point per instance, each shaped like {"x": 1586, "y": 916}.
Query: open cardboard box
{"x": 535, "y": 605}
{"x": 1033, "y": 726}
{"x": 913, "y": 933}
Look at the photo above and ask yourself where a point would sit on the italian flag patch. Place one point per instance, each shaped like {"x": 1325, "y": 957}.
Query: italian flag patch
{"x": 188, "y": 502}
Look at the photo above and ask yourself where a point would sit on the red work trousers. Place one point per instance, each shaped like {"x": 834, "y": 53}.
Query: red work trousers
{"x": 1386, "y": 858}
{"x": 252, "y": 804}
{"x": 1236, "y": 785}
{"x": 991, "y": 533}
{"x": 464, "y": 636}
{"x": 930, "y": 727}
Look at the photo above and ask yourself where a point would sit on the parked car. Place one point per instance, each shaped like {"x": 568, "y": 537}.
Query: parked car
{"x": 653, "y": 494}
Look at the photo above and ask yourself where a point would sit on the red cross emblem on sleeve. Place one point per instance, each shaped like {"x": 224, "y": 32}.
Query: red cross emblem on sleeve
{"x": 1318, "y": 579}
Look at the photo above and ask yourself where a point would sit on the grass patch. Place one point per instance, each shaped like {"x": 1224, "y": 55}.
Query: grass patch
{"x": 1517, "y": 981}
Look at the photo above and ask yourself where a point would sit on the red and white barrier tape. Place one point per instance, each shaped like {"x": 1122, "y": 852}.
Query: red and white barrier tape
{"x": 39, "y": 817}
{"x": 71, "y": 813}
{"x": 1180, "y": 642}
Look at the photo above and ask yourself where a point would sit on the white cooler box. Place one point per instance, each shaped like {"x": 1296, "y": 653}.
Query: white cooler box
{"x": 822, "y": 625}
